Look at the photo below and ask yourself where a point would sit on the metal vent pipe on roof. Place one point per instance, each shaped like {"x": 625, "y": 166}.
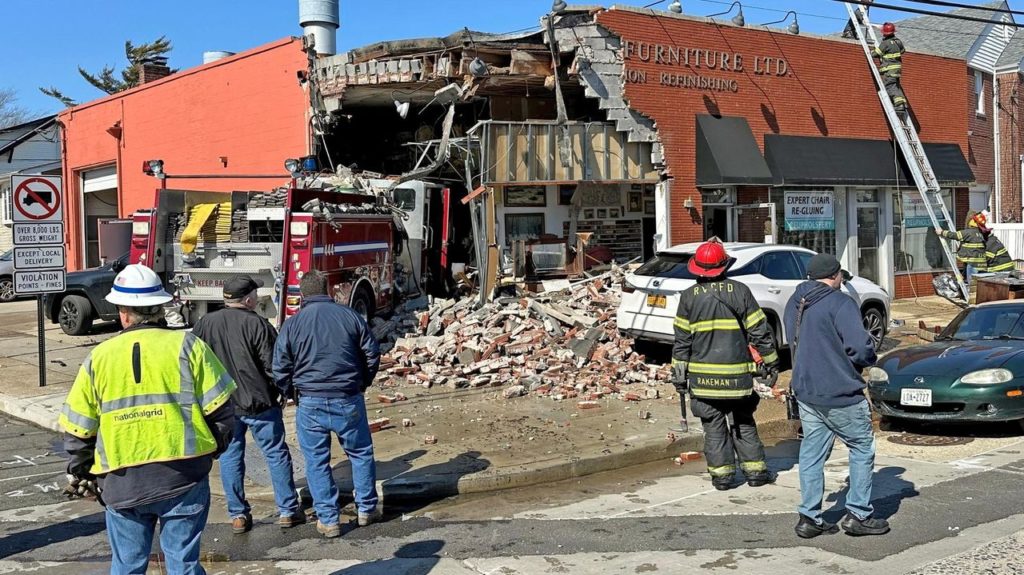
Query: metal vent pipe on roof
{"x": 214, "y": 55}
{"x": 320, "y": 18}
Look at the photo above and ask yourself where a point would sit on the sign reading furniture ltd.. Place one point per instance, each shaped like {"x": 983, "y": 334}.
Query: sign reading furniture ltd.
{"x": 699, "y": 61}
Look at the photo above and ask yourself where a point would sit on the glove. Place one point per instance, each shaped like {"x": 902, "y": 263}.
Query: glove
{"x": 82, "y": 486}
{"x": 764, "y": 391}
{"x": 679, "y": 375}
{"x": 770, "y": 374}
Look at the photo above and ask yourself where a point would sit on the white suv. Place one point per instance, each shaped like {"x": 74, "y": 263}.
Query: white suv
{"x": 772, "y": 272}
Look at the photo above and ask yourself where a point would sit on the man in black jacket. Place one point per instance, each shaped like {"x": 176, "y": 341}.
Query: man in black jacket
{"x": 329, "y": 355}
{"x": 244, "y": 342}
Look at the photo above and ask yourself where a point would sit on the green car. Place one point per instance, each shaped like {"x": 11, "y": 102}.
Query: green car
{"x": 973, "y": 372}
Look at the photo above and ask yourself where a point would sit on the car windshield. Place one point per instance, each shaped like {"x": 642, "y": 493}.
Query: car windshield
{"x": 6, "y": 256}
{"x": 673, "y": 266}
{"x": 987, "y": 322}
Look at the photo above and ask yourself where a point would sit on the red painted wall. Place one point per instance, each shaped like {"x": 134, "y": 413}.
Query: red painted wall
{"x": 827, "y": 91}
{"x": 249, "y": 109}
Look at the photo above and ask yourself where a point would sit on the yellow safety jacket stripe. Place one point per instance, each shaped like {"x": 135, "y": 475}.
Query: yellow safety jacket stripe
{"x": 771, "y": 358}
{"x": 87, "y": 426}
{"x": 715, "y": 324}
{"x": 973, "y": 245}
{"x": 720, "y": 393}
{"x": 991, "y": 255}
{"x": 754, "y": 319}
{"x": 722, "y": 368}
{"x": 893, "y": 56}
{"x": 890, "y": 67}
{"x": 971, "y": 260}
{"x": 1001, "y": 267}
{"x": 682, "y": 323}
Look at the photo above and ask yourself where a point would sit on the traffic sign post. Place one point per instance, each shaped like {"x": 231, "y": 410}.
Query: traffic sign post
{"x": 37, "y": 208}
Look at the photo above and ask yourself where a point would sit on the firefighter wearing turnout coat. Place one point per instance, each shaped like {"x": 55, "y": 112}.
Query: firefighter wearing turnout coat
{"x": 971, "y": 253}
{"x": 717, "y": 323}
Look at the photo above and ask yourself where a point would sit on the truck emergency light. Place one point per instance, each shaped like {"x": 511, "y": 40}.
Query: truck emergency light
{"x": 293, "y": 167}
{"x": 154, "y": 168}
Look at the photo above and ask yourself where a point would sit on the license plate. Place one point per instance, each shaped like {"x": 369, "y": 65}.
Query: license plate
{"x": 916, "y": 397}
{"x": 657, "y": 300}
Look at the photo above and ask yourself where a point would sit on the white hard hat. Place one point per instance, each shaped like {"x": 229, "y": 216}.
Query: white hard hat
{"x": 138, "y": 286}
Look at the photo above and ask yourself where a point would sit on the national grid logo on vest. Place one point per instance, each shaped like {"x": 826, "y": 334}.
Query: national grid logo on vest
{"x": 145, "y": 414}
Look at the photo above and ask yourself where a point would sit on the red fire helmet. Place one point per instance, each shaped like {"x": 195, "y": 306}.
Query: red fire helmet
{"x": 888, "y": 29}
{"x": 710, "y": 261}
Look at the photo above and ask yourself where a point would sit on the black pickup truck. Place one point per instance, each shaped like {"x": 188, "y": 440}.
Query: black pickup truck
{"x": 82, "y": 303}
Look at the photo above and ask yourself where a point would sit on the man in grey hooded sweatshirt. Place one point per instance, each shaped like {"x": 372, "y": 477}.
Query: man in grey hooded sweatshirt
{"x": 830, "y": 349}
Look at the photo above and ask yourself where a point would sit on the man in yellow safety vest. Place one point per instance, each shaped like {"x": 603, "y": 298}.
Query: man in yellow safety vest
{"x": 145, "y": 418}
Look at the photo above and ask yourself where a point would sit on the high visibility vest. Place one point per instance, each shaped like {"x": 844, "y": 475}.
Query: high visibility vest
{"x": 143, "y": 395}
{"x": 715, "y": 322}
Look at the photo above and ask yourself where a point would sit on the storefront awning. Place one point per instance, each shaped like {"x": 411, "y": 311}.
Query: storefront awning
{"x": 727, "y": 154}
{"x": 813, "y": 161}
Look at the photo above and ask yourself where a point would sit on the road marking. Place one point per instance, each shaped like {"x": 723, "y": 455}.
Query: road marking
{"x": 31, "y": 476}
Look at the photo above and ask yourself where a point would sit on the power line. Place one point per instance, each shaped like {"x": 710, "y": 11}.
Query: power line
{"x": 968, "y": 6}
{"x": 929, "y": 13}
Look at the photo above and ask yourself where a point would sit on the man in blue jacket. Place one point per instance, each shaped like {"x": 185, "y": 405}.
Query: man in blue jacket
{"x": 329, "y": 355}
{"x": 830, "y": 349}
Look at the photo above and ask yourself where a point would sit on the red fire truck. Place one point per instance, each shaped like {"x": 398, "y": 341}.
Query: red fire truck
{"x": 197, "y": 240}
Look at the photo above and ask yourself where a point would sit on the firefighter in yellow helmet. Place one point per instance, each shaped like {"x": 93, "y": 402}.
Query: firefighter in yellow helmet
{"x": 146, "y": 416}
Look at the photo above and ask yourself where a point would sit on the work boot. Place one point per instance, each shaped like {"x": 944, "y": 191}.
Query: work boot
{"x": 722, "y": 483}
{"x": 289, "y": 521}
{"x": 374, "y": 516}
{"x": 241, "y": 524}
{"x": 759, "y": 478}
{"x": 870, "y": 526}
{"x": 328, "y": 531}
{"x": 806, "y": 528}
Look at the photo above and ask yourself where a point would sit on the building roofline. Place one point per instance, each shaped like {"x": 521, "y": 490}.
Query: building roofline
{"x": 182, "y": 74}
{"x": 42, "y": 123}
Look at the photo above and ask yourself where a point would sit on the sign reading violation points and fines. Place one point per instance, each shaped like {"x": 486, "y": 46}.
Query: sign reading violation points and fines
{"x": 37, "y": 208}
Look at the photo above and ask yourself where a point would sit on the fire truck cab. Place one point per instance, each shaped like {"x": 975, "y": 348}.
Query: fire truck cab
{"x": 197, "y": 240}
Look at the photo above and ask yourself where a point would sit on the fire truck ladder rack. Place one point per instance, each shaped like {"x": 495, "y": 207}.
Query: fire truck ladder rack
{"x": 905, "y": 133}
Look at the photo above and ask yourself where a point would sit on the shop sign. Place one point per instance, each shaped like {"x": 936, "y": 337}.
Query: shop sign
{"x": 809, "y": 211}
{"x": 915, "y": 213}
{"x": 696, "y": 65}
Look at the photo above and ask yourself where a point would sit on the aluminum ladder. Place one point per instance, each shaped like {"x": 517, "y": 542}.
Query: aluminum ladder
{"x": 905, "y": 133}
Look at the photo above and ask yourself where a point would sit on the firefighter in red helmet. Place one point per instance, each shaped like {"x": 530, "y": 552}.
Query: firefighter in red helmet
{"x": 717, "y": 325}
{"x": 890, "y": 53}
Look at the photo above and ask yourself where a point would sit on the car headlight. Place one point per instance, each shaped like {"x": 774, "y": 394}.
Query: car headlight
{"x": 987, "y": 376}
{"x": 878, "y": 375}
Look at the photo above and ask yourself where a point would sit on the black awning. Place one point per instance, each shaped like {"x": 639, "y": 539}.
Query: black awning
{"x": 813, "y": 161}
{"x": 727, "y": 154}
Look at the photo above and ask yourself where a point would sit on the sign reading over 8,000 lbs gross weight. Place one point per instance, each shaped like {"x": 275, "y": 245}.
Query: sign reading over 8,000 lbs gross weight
{"x": 38, "y": 257}
{"x": 37, "y": 282}
{"x": 35, "y": 234}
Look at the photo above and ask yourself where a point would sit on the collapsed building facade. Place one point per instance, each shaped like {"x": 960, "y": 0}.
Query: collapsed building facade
{"x": 635, "y": 130}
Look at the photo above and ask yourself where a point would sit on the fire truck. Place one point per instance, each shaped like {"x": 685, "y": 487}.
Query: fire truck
{"x": 197, "y": 240}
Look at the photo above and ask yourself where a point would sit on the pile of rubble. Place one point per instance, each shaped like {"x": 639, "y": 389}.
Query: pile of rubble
{"x": 562, "y": 344}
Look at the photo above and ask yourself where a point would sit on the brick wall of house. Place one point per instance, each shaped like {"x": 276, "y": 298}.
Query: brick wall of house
{"x": 980, "y": 145}
{"x": 823, "y": 89}
{"x": 1011, "y": 136}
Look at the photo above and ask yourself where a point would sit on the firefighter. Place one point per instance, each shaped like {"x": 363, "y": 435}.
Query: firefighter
{"x": 971, "y": 253}
{"x": 148, "y": 413}
{"x": 849, "y": 31}
{"x": 716, "y": 325}
{"x": 890, "y": 52}
{"x": 997, "y": 259}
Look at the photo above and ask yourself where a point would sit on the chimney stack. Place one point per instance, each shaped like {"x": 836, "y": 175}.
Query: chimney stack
{"x": 152, "y": 69}
{"x": 320, "y": 19}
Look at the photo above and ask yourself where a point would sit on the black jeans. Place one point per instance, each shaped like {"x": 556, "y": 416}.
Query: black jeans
{"x": 721, "y": 445}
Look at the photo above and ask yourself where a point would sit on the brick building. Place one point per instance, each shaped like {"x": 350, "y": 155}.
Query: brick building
{"x": 244, "y": 114}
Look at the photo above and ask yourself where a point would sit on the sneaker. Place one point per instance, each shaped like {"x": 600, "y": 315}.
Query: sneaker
{"x": 289, "y": 521}
{"x": 759, "y": 479}
{"x": 241, "y": 524}
{"x": 806, "y": 528}
{"x": 371, "y": 517}
{"x": 329, "y": 531}
{"x": 870, "y": 526}
{"x": 722, "y": 483}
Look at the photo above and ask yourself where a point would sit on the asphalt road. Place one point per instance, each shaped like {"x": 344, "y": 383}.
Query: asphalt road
{"x": 952, "y": 512}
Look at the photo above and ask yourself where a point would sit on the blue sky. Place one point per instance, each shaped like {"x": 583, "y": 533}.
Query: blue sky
{"x": 45, "y": 51}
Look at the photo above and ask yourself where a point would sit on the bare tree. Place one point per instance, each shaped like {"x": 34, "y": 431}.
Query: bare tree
{"x": 10, "y": 112}
{"x": 107, "y": 81}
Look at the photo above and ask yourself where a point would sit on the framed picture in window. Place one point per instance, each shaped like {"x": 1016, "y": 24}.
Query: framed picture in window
{"x": 636, "y": 201}
{"x": 526, "y": 197}
{"x": 588, "y": 213}
{"x": 648, "y": 191}
{"x": 523, "y": 226}
{"x": 648, "y": 207}
{"x": 614, "y": 213}
{"x": 565, "y": 195}
{"x": 636, "y": 187}
{"x": 601, "y": 213}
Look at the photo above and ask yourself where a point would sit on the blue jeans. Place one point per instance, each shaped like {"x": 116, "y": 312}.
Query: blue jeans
{"x": 268, "y": 431}
{"x": 182, "y": 520}
{"x": 969, "y": 272}
{"x": 821, "y": 426}
{"x": 316, "y": 420}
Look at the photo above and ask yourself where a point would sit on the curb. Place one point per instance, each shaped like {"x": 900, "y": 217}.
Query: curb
{"x": 34, "y": 411}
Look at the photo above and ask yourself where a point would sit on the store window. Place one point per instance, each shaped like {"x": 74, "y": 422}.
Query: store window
{"x": 916, "y": 247}
{"x": 806, "y": 218}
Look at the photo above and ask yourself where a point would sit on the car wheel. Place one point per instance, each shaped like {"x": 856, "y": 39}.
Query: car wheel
{"x": 874, "y": 323}
{"x": 75, "y": 315}
{"x": 362, "y": 303}
{"x": 6, "y": 289}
